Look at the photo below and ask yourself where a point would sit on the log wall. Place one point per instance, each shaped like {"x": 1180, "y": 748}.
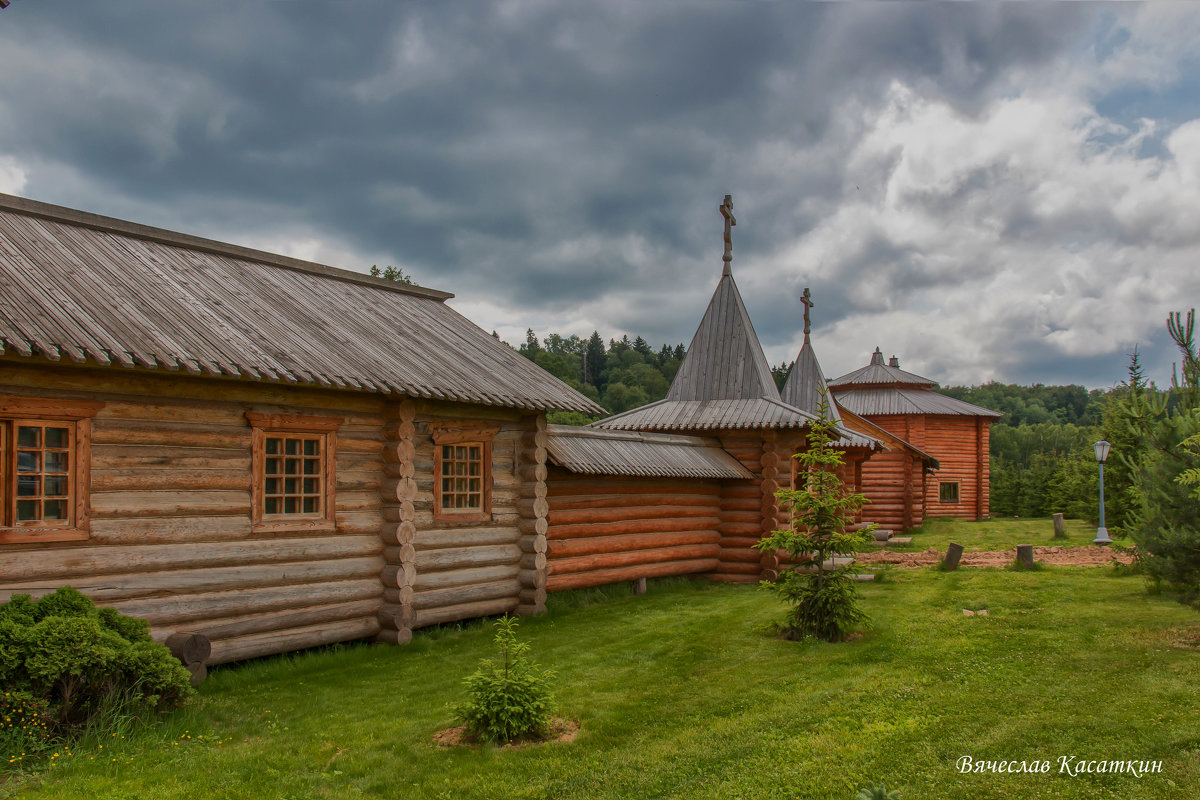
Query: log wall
{"x": 961, "y": 446}
{"x": 171, "y": 538}
{"x": 463, "y": 570}
{"x": 744, "y": 509}
{"x": 605, "y": 530}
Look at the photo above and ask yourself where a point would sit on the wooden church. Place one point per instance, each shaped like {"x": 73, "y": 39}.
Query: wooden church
{"x": 272, "y": 454}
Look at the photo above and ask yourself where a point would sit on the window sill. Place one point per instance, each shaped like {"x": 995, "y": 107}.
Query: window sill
{"x": 14, "y": 535}
{"x": 294, "y": 525}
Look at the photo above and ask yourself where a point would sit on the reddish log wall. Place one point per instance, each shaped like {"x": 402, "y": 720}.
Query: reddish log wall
{"x": 608, "y": 529}
{"x": 960, "y": 444}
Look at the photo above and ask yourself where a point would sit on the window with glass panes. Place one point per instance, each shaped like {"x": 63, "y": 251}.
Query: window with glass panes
{"x": 293, "y": 475}
{"x": 462, "y": 477}
{"x": 38, "y": 473}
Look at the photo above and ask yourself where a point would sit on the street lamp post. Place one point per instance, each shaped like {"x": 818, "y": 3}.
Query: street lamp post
{"x": 1102, "y": 456}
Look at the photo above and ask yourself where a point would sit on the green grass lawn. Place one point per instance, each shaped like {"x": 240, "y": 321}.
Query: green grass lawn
{"x": 999, "y": 533}
{"x": 681, "y": 693}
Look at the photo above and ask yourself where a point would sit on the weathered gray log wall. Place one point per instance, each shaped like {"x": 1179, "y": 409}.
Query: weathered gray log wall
{"x": 171, "y": 536}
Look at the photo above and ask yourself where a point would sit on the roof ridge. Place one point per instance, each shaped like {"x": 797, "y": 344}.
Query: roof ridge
{"x": 86, "y": 219}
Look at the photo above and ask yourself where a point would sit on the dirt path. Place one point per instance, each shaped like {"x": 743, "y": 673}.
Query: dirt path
{"x": 1089, "y": 556}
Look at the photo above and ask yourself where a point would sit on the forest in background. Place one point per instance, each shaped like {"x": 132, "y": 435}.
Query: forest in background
{"x": 1042, "y": 458}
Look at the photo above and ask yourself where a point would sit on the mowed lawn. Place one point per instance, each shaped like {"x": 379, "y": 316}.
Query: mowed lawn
{"x": 999, "y": 533}
{"x": 682, "y": 693}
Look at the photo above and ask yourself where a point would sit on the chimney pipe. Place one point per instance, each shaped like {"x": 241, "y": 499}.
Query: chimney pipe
{"x": 893, "y": 362}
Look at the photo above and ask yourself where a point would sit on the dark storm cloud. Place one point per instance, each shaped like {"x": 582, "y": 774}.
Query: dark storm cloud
{"x": 542, "y": 156}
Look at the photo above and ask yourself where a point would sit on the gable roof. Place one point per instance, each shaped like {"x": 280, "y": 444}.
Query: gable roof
{"x": 889, "y": 439}
{"x": 105, "y": 291}
{"x": 598, "y": 452}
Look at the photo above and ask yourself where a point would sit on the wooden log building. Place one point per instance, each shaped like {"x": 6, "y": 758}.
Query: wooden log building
{"x": 275, "y": 454}
{"x": 271, "y": 453}
{"x": 953, "y": 431}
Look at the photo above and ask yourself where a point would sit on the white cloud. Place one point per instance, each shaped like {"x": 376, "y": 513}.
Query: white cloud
{"x": 12, "y": 176}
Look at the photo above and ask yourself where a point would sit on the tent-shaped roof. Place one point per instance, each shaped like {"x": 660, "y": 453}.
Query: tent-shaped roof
{"x": 724, "y": 381}
{"x": 880, "y": 388}
{"x": 101, "y": 290}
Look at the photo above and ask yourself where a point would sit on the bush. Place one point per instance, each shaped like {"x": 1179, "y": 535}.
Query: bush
{"x": 71, "y": 660}
{"x": 508, "y": 699}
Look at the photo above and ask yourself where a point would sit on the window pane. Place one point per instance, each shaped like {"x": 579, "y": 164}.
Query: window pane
{"x": 291, "y": 466}
{"x": 312, "y": 505}
{"x": 29, "y": 437}
{"x": 271, "y": 506}
{"x": 290, "y": 506}
{"x": 460, "y": 468}
{"x": 447, "y": 484}
{"x": 311, "y": 486}
{"x": 291, "y": 446}
{"x": 312, "y": 466}
{"x": 473, "y": 485}
{"x": 475, "y": 467}
{"x": 273, "y": 446}
{"x": 310, "y": 447}
{"x": 273, "y": 466}
{"x": 58, "y": 437}
{"x": 55, "y": 510}
{"x": 57, "y": 462}
{"x": 27, "y": 510}
{"x": 460, "y": 484}
{"x": 29, "y": 462}
{"x": 55, "y": 487}
{"x": 447, "y": 501}
{"x": 29, "y": 486}
{"x": 272, "y": 485}
{"x": 475, "y": 455}
{"x": 447, "y": 452}
{"x": 291, "y": 485}
{"x": 460, "y": 453}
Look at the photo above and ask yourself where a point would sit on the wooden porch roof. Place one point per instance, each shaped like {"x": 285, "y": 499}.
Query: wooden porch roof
{"x": 601, "y": 452}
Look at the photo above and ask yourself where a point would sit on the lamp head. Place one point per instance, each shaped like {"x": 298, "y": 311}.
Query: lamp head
{"x": 1102, "y": 450}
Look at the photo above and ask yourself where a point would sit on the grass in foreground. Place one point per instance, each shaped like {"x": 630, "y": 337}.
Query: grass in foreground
{"x": 681, "y": 694}
{"x": 997, "y": 534}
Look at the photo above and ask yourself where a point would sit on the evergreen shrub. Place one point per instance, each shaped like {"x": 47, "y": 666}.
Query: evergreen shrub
{"x": 508, "y": 698}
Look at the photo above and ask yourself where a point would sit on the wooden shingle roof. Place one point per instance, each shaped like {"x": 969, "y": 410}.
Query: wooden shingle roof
{"x": 598, "y": 452}
{"x": 104, "y": 291}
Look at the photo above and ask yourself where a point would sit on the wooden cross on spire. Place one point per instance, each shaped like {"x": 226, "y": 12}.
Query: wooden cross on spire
{"x": 806, "y": 299}
{"x": 727, "y": 212}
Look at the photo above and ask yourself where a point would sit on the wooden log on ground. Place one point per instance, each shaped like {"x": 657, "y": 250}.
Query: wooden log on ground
{"x": 226, "y": 650}
{"x": 601, "y": 577}
{"x": 1025, "y": 556}
{"x": 953, "y": 555}
{"x": 1060, "y": 527}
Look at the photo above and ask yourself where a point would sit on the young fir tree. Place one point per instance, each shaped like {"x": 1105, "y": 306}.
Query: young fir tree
{"x": 823, "y": 597}
{"x": 1166, "y": 527}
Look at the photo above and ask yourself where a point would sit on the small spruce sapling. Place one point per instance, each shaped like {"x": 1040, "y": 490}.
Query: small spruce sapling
{"x": 508, "y": 698}
{"x": 823, "y": 597}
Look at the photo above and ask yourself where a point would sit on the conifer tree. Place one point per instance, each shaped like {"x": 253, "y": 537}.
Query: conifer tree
{"x": 823, "y": 597}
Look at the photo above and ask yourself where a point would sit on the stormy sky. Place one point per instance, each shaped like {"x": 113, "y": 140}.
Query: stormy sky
{"x": 999, "y": 191}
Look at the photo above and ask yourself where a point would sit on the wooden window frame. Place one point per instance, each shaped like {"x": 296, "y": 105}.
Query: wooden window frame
{"x": 47, "y": 411}
{"x": 264, "y": 426}
{"x": 957, "y": 492}
{"x": 455, "y": 433}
